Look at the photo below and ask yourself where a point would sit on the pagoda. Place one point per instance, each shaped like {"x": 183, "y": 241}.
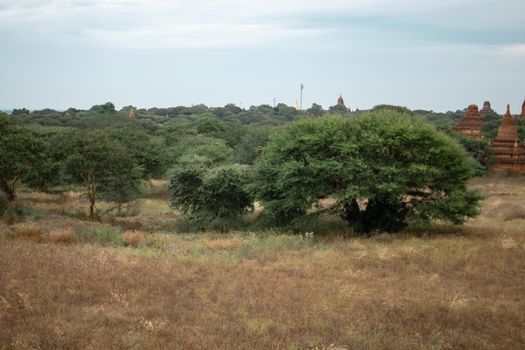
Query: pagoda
{"x": 131, "y": 113}
{"x": 471, "y": 124}
{"x": 341, "y": 101}
{"x": 523, "y": 109}
{"x": 509, "y": 153}
{"x": 487, "y": 108}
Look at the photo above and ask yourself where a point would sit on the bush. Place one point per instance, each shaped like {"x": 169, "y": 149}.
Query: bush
{"x": 210, "y": 198}
{"x": 480, "y": 150}
{"x": 380, "y": 170}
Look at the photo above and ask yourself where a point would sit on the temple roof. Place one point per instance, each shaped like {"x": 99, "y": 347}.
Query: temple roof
{"x": 471, "y": 123}
{"x": 508, "y": 130}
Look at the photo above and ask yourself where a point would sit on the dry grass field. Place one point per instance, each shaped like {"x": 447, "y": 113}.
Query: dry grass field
{"x": 134, "y": 283}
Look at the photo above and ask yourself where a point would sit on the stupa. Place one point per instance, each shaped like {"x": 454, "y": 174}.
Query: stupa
{"x": 523, "y": 109}
{"x": 131, "y": 113}
{"x": 471, "y": 124}
{"x": 487, "y": 107}
{"x": 509, "y": 153}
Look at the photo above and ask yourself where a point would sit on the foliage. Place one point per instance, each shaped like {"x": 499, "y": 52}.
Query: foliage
{"x": 379, "y": 169}
{"x": 480, "y": 150}
{"x": 316, "y": 110}
{"x": 338, "y": 109}
{"x": 210, "y": 196}
{"x": 144, "y": 149}
{"x": 251, "y": 145}
{"x": 398, "y": 109}
{"x": 20, "y": 154}
{"x": 104, "y": 167}
{"x": 208, "y": 123}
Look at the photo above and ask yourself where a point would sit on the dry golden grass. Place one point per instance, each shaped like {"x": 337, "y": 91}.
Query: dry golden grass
{"x": 447, "y": 288}
{"x": 225, "y": 243}
{"x": 27, "y": 232}
{"x": 133, "y": 238}
{"x": 63, "y": 235}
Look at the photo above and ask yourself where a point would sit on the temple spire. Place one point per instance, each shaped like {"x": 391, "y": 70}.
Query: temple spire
{"x": 507, "y": 114}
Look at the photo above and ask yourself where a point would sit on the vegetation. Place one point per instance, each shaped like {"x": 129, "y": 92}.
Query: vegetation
{"x": 379, "y": 169}
{"x": 37, "y": 155}
{"x": 210, "y": 196}
{"x": 106, "y": 169}
{"x": 107, "y": 287}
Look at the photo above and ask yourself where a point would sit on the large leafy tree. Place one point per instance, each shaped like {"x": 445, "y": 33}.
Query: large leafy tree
{"x": 105, "y": 167}
{"x": 380, "y": 170}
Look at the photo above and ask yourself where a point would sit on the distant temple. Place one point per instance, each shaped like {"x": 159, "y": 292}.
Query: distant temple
{"x": 487, "y": 108}
{"x": 131, "y": 113}
{"x": 471, "y": 124}
{"x": 523, "y": 109}
{"x": 508, "y": 151}
{"x": 340, "y": 106}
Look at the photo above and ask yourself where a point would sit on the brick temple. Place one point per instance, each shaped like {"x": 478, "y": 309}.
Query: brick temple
{"x": 523, "y": 109}
{"x": 471, "y": 124}
{"x": 487, "y": 107}
{"x": 509, "y": 152}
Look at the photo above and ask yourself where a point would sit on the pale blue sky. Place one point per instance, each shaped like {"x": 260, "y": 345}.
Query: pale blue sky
{"x": 440, "y": 55}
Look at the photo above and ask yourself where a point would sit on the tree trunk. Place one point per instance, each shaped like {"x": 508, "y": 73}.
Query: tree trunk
{"x": 92, "y": 194}
{"x": 92, "y": 210}
{"x": 9, "y": 189}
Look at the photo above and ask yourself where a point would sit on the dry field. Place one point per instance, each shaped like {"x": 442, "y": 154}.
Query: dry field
{"x": 445, "y": 288}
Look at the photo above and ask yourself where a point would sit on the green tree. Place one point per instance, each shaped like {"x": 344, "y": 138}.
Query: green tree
{"x": 380, "y": 169}
{"x": 338, "y": 109}
{"x": 20, "y": 153}
{"x": 210, "y": 197}
{"x": 251, "y": 145}
{"x": 208, "y": 123}
{"x": 146, "y": 151}
{"x": 316, "y": 110}
{"x": 480, "y": 150}
{"x": 105, "y": 167}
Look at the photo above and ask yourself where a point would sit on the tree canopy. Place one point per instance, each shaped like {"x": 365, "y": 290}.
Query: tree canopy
{"x": 377, "y": 170}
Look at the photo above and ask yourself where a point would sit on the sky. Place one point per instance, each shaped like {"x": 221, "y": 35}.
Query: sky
{"x": 438, "y": 55}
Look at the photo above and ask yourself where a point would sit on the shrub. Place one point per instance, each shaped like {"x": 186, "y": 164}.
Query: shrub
{"x": 213, "y": 197}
